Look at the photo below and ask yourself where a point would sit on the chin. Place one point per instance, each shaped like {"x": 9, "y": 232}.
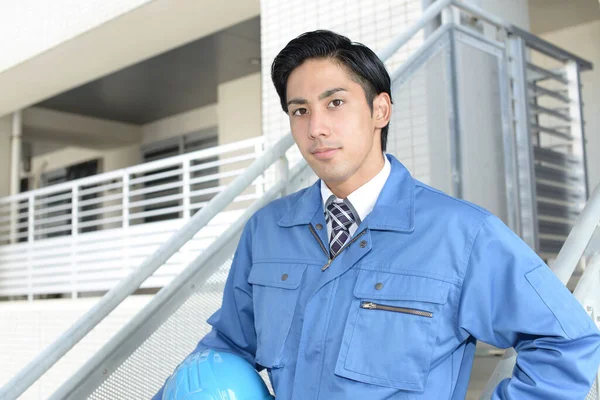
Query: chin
{"x": 331, "y": 177}
{"x": 330, "y": 172}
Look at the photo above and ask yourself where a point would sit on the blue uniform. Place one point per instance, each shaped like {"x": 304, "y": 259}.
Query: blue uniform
{"x": 397, "y": 313}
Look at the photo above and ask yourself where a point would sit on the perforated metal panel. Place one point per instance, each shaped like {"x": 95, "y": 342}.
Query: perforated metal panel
{"x": 143, "y": 373}
{"x": 420, "y": 132}
{"x": 594, "y": 394}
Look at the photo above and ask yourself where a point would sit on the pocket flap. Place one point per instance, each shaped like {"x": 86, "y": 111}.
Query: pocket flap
{"x": 390, "y": 286}
{"x": 280, "y": 275}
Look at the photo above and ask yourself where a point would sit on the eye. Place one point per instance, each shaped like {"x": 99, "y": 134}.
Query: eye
{"x": 300, "y": 111}
{"x": 335, "y": 103}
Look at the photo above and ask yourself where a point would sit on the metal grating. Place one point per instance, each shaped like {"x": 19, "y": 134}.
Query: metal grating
{"x": 143, "y": 373}
{"x": 594, "y": 394}
{"x": 420, "y": 108}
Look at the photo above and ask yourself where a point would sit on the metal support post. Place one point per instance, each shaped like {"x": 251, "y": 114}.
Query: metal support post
{"x": 524, "y": 150}
{"x": 74, "y": 234}
{"x": 578, "y": 147}
{"x": 186, "y": 189}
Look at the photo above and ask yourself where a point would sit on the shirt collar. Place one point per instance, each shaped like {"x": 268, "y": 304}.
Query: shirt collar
{"x": 363, "y": 199}
{"x": 393, "y": 211}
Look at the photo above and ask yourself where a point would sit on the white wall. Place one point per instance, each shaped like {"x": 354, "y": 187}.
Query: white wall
{"x": 584, "y": 41}
{"x": 514, "y": 11}
{"x": 239, "y": 111}
{"x": 125, "y": 139}
{"x": 79, "y": 139}
{"x": 106, "y": 39}
{"x": 549, "y": 16}
{"x": 177, "y": 125}
{"x": 30, "y": 27}
{"x": 110, "y": 160}
{"x": 79, "y": 130}
{"x": 123, "y": 157}
{"x": 62, "y": 158}
{"x": 5, "y": 131}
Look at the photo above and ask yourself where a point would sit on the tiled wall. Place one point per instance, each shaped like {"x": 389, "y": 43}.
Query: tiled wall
{"x": 374, "y": 23}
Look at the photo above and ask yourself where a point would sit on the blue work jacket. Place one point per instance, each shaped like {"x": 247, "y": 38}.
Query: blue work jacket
{"x": 397, "y": 313}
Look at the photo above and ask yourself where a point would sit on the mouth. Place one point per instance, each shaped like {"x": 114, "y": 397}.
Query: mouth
{"x": 325, "y": 153}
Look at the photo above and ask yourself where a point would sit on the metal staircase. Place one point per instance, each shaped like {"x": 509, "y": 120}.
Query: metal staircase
{"x": 527, "y": 177}
{"x": 555, "y": 126}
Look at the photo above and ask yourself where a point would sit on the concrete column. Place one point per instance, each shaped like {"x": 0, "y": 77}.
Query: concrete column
{"x": 239, "y": 109}
{"x": 15, "y": 169}
{"x": 5, "y": 129}
{"x": 15, "y": 155}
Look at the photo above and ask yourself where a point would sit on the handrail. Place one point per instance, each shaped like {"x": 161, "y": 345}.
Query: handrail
{"x": 135, "y": 169}
{"x": 578, "y": 239}
{"x": 563, "y": 267}
{"x": 198, "y": 267}
{"x": 37, "y": 367}
{"x": 548, "y": 48}
{"x": 51, "y": 354}
{"x": 432, "y": 11}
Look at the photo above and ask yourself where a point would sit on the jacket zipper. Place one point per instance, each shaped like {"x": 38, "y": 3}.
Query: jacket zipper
{"x": 330, "y": 259}
{"x": 374, "y": 306}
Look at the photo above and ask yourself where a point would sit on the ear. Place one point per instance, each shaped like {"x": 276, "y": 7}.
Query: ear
{"x": 382, "y": 110}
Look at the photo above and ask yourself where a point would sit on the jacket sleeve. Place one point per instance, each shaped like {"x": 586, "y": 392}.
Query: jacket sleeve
{"x": 233, "y": 324}
{"x": 510, "y": 298}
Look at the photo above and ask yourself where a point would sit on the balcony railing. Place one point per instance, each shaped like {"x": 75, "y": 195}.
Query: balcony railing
{"x": 87, "y": 234}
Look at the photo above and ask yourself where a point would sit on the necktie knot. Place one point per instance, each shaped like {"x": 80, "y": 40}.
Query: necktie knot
{"x": 340, "y": 215}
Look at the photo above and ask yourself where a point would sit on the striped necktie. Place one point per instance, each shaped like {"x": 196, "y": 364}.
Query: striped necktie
{"x": 341, "y": 219}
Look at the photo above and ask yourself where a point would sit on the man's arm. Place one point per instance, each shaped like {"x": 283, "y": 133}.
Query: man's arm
{"x": 233, "y": 324}
{"x": 510, "y": 298}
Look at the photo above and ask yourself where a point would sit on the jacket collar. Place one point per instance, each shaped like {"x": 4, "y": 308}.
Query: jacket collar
{"x": 393, "y": 211}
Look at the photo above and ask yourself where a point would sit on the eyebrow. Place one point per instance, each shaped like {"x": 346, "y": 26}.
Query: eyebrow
{"x": 322, "y": 96}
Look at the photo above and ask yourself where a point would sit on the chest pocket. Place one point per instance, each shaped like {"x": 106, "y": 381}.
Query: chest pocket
{"x": 391, "y": 328}
{"x": 275, "y": 289}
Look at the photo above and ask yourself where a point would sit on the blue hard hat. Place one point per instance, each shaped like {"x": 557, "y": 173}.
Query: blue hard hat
{"x": 215, "y": 375}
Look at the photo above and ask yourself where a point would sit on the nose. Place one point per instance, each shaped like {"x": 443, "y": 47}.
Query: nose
{"x": 318, "y": 125}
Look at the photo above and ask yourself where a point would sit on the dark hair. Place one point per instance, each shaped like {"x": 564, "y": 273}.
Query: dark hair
{"x": 364, "y": 66}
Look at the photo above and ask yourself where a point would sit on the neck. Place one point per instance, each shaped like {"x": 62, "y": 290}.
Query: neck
{"x": 343, "y": 189}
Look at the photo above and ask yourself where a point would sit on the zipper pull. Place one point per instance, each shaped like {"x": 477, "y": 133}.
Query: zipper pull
{"x": 368, "y": 305}
{"x": 326, "y": 265}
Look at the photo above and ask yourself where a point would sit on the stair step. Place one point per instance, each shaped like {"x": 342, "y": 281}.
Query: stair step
{"x": 552, "y": 131}
{"x": 555, "y": 210}
{"x": 557, "y": 175}
{"x": 556, "y": 94}
{"x": 561, "y": 160}
{"x": 557, "y": 191}
{"x": 549, "y": 111}
{"x": 549, "y": 74}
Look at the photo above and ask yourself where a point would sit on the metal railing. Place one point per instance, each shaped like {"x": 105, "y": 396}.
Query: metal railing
{"x": 174, "y": 187}
{"x": 123, "y": 362}
{"x": 86, "y": 235}
{"x": 36, "y": 368}
{"x": 550, "y": 137}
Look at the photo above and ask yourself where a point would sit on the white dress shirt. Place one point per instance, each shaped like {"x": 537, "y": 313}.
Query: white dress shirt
{"x": 362, "y": 200}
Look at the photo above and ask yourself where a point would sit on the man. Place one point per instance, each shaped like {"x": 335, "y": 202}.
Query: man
{"x": 372, "y": 285}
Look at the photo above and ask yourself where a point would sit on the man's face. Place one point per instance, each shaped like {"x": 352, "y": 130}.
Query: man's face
{"x": 333, "y": 125}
